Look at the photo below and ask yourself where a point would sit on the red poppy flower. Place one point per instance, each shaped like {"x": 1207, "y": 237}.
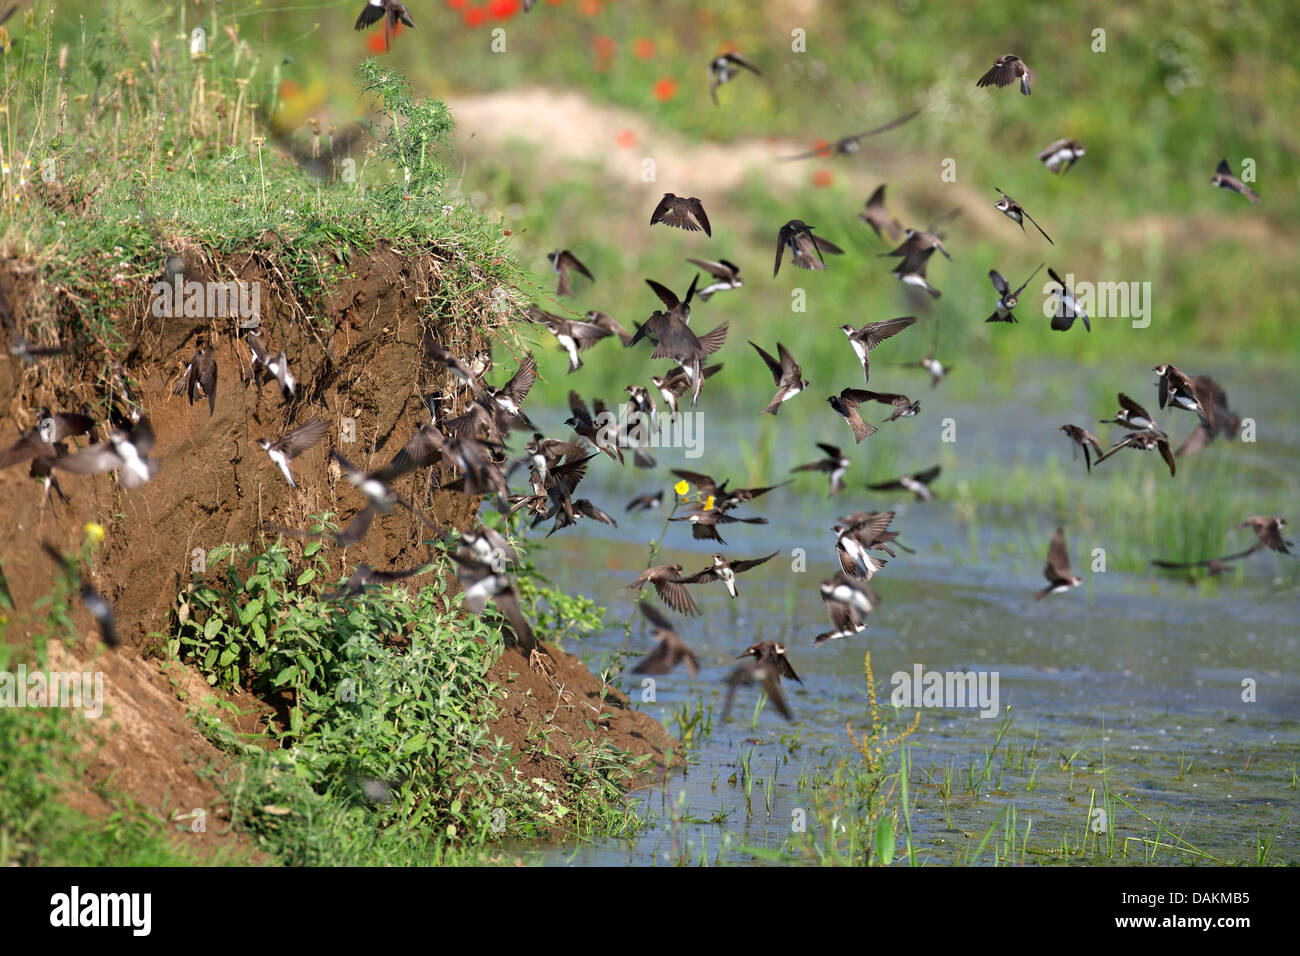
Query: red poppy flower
{"x": 665, "y": 89}
{"x": 503, "y": 9}
{"x": 625, "y": 138}
{"x": 604, "y": 46}
{"x": 378, "y": 42}
{"x": 590, "y": 8}
{"x": 475, "y": 16}
{"x": 822, "y": 178}
{"x": 644, "y": 48}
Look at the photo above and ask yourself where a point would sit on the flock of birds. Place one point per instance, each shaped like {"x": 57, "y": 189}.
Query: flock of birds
{"x": 464, "y": 442}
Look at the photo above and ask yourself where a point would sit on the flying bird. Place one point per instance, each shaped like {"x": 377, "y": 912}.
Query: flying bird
{"x": 903, "y": 407}
{"x": 1224, "y": 179}
{"x": 200, "y": 378}
{"x": 1057, "y": 570}
{"x": 667, "y": 581}
{"x": 45, "y": 439}
{"x": 848, "y": 601}
{"x": 764, "y": 674}
{"x": 287, "y": 447}
{"x": 1143, "y": 441}
{"x": 1177, "y": 390}
{"x": 1007, "y": 300}
{"x": 562, "y": 262}
{"x": 704, "y": 524}
{"x": 277, "y": 365}
{"x": 126, "y": 452}
{"x": 772, "y": 653}
{"x": 846, "y": 406}
{"x": 726, "y": 276}
{"x": 850, "y": 145}
{"x": 1059, "y": 156}
{"x": 834, "y": 464}
{"x": 853, "y": 554}
{"x": 671, "y": 649}
{"x": 681, "y": 213}
{"x": 367, "y": 577}
{"x": 573, "y": 335}
{"x": 1016, "y": 213}
{"x": 95, "y": 602}
{"x": 805, "y": 248}
{"x": 392, "y": 12}
{"x": 723, "y": 68}
{"x": 1269, "y": 532}
{"x": 1133, "y": 416}
{"x": 726, "y": 571}
{"x": 918, "y": 484}
{"x": 871, "y": 335}
{"x": 1082, "y": 438}
{"x": 1067, "y": 308}
{"x": 786, "y": 374}
{"x": 1006, "y": 70}
{"x": 878, "y": 218}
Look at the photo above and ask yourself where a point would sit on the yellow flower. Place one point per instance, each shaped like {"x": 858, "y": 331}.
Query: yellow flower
{"x": 94, "y": 531}
{"x": 708, "y": 503}
{"x": 682, "y": 487}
